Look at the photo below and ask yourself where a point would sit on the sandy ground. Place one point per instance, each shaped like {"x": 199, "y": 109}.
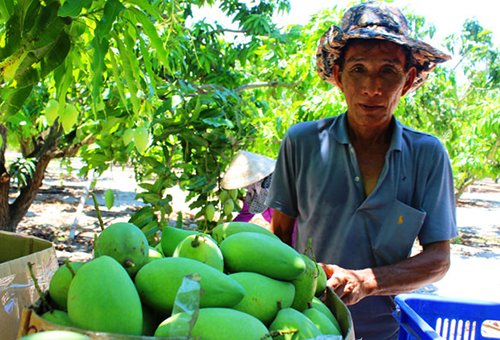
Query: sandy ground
{"x": 62, "y": 209}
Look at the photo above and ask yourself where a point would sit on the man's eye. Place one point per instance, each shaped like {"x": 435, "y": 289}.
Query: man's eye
{"x": 389, "y": 70}
{"x": 357, "y": 69}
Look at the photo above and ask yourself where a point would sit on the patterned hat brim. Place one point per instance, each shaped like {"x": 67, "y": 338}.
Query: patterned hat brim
{"x": 333, "y": 41}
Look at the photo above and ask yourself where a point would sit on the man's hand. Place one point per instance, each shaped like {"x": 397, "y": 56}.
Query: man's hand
{"x": 350, "y": 285}
{"x": 412, "y": 273}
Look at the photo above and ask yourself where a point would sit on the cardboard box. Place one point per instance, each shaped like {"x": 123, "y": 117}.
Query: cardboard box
{"x": 17, "y": 289}
{"x": 31, "y": 323}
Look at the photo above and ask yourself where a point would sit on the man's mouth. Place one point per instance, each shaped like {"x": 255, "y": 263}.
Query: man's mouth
{"x": 371, "y": 106}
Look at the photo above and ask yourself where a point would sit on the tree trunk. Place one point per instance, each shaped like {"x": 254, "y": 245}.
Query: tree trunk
{"x": 45, "y": 151}
{"x": 21, "y": 205}
{"x": 4, "y": 182}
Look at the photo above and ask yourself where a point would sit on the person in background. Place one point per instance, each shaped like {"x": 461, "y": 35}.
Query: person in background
{"x": 362, "y": 186}
{"x": 252, "y": 172}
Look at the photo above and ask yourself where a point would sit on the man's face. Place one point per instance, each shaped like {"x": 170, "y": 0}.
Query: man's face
{"x": 373, "y": 80}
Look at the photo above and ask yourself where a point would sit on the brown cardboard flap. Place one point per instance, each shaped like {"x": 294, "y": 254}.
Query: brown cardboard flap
{"x": 14, "y": 246}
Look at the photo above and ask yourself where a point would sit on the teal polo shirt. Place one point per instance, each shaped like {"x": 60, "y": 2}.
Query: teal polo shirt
{"x": 317, "y": 180}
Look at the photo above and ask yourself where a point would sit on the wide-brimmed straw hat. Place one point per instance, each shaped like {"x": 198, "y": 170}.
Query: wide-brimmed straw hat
{"x": 245, "y": 169}
{"x": 375, "y": 20}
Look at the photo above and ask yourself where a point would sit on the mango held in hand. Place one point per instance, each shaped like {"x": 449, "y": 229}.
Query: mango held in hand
{"x": 158, "y": 283}
{"x": 202, "y": 248}
{"x": 305, "y": 285}
{"x": 103, "y": 298}
{"x": 60, "y": 281}
{"x": 223, "y": 230}
{"x": 258, "y": 253}
{"x": 172, "y": 236}
{"x": 294, "y": 325}
{"x": 264, "y": 296}
{"x": 217, "y": 324}
{"x": 124, "y": 242}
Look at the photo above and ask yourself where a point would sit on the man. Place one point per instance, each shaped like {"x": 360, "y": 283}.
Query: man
{"x": 361, "y": 185}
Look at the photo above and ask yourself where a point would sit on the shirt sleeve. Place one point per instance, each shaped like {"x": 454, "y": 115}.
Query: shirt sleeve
{"x": 282, "y": 193}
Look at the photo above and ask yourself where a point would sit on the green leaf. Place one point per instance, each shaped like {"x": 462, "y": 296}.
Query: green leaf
{"x": 146, "y": 57}
{"x": 98, "y": 66}
{"x": 146, "y": 186}
{"x": 63, "y": 76}
{"x": 57, "y": 54}
{"x": 71, "y": 8}
{"x": 118, "y": 75}
{"x": 109, "y": 198}
{"x": 147, "y": 7}
{"x": 129, "y": 71}
{"x": 15, "y": 99}
{"x": 111, "y": 11}
{"x": 152, "y": 32}
{"x": 218, "y": 122}
{"x": 6, "y": 9}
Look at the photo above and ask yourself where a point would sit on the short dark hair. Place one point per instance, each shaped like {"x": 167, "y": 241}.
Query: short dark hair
{"x": 409, "y": 61}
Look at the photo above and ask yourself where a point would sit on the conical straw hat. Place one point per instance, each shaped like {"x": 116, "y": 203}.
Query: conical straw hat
{"x": 247, "y": 168}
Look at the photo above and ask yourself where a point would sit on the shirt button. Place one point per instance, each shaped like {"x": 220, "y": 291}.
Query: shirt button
{"x": 356, "y": 179}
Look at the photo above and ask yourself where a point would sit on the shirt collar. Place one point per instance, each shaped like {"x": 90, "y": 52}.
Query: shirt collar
{"x": 339, "y": 131}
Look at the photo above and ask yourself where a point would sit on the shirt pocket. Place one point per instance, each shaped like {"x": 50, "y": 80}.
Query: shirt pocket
{"x": 398, "y": 231}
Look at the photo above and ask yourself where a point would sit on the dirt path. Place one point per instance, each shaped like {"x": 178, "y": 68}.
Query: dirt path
{"x": 60, "y": 212}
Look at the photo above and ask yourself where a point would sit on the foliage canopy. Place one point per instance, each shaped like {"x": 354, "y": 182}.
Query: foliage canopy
{"x": 147, "y": 83}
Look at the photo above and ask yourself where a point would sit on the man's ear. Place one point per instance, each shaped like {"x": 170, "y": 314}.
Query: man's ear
{"x": 410, "y": 78}
{"x": 336, "y": 77}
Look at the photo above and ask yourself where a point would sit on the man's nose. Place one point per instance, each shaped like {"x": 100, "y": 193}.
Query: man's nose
{"x": 372, "y": 85}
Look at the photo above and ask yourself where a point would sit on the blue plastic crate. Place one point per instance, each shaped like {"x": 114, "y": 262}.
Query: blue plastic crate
{"x": 425, "y": 317}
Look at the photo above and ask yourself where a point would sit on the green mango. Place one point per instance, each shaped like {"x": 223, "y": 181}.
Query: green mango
{"x": 126, "y": 243}
{"x": 305, "y": 285}
{"x": 201, "y": 248}
{"x": 320, "y": 320}
{"x": 223, "y": 230}
{"x": 259, "y": 253}
{"x": 172, "y": 236}
{"x": 217, "y": 324}
{"x": 290, "y": 324}
{"x": 158, "y": 283}
{"x": 102, "y": 298}
{"x": 56, "y": 335}
{"x": 264, "y": 296}
{"x": 320, "y": 305}
{"x": 320, "y": 281}
{"x": 57, "y": 317}
{"x": 60, "y": 281}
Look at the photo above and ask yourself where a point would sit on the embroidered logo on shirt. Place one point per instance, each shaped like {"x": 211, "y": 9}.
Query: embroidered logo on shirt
{"x": 400, "y": 219}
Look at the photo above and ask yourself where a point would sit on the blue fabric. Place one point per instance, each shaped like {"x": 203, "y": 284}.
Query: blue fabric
{"x": 318, "y": 181}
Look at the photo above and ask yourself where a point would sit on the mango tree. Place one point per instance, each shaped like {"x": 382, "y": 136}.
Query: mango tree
{"x": 126, "y": 82}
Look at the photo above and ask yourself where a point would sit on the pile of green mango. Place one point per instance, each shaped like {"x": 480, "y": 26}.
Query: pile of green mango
{"x": 251, "y": 286}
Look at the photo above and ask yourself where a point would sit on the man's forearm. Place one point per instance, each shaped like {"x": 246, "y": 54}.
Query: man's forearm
{"x": 415, "y": 272}
{"x": 282, "y": 226}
